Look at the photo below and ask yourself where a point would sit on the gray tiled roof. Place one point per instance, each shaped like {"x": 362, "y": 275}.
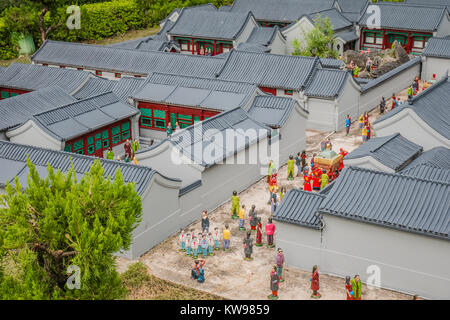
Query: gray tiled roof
{"x": 428, "y": 172}
{"x": 17, "y": 110}
{"x": 272, "y": 111}
{"x": 437, "y": 47}
{"x": 393, "y": 151}
{"x": 125, "y": 60}
{"x": 122, "y": 88}
{"x": 253, "y": 47}
{"x": 210, "y": 24}
{"x": 353, "y": 17}
{"x": 301, "y": 208}
{"x": 13, "y": 162}
{"x": 445, "y": 3}
{"x": 391, "y": 200}
{"x": 186, "y": 142}
{"x": 347, "y": 36}
{"x": 327, "y": 83}
{"x": 390, "y": 74}
{"x": 431, "y": 105}
{"x": 407, "y": 17}
{"x": 77, "y": 118}
{"x": 331, "y": 63}
{"x": 195, "y": 92}
{"x": 201, "y": 83}
{"x": 438, "y": 157}
{"x": 34, "y": 77}
{"x": 337, "y": 20}
{"x": 280, "y": 10}
{"x": 262, "y": 35}
{"x": 269, "y": 70}
{"x": 353, "y": 6}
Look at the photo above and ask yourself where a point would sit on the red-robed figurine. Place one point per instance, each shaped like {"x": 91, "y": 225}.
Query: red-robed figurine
{"x": 315, "y": 283}
{"x": 307, "y": 181}
{"x": 316, "y": 175}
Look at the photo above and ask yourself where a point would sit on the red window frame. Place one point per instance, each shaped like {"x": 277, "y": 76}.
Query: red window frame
{"x": 118, "y": 75}
{"x": 98, "y": 72}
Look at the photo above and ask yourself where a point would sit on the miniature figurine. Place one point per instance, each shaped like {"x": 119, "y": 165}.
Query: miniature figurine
{"x": 242, "y": 218}
{"x": 201, "y": 272}
{"x": 188, "y": 244}
{"x": 274, "y": 283}
{"x": 204, "y": 246}
{"x": 315, "y": 283}
{"x": 182, "y": 241}
{"x": 290, "y": 168}
{"x": 205, "y": 222}
{"x": 270, "y": 171}
{"x": 307, "y": 181}
{"x": 248, "y": 246}
{"x": 356, "y": 287}
{"x": 194, "y": 247}
{"x": 253, "y": 217}
{"x": 216, "y": 237}
{"x": 282, "y": 193}
{"x": 270, "y": 230}
{"x": 348, "y": 288}
{"x": 324, "y": 179}
{"x": 210, "y": 244}
{"x": 279, "y": 261}
{"x": 234, "y": 205}
{"x": 259, "y": 233}
{"x": 226, "y": 238}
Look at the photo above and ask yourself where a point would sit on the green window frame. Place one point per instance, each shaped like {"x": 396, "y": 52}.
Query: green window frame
{"x": 116, "y": 139}
{"x": 98, "y": 72}
{"x": 68, "y": 147}
{"x": 4, "y": 94}
{"x": 78, "y": 146}
{"x": 118, "y": 75}
{"x": 98, "y": 144}
{"x": 13, "y": 94}
{"x": 91, "y": 149}
{"x": 90, "y": 140}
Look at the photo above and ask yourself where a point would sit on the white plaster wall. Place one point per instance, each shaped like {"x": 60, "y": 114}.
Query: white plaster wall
{"x": 321, "y": 114}
{"x": 371, "y": 98}
{"x": 444, "y": 28}
{"x": 153, "y": 134}
{"x": 348, "y": 104}
{"x": 243, "y": 37}
{"x": 293, "y": 137}
{"x": 301, "y": 246}
{"x": 297, "y": 32}
{"x": 160, "y": 212}
{"x": 438, "y": 66}
{"x": 411, "y": 263}
{"x": 367, "y": 163}
{"x": 278, "y": 45}
{"x": 29, "y": 133}
{"x": 161, "y": 160}
{"x": 413, "y": 128}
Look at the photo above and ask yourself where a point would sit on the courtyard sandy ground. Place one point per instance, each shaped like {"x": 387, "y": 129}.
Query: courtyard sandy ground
{"x": 228, "y": 274}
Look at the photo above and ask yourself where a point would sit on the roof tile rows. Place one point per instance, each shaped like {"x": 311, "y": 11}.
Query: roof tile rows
{"x": 13, "y": 163}
{"x": 393, "y": 151}
{"x": 391, "y": 200}
{"x": 431, "y": 105}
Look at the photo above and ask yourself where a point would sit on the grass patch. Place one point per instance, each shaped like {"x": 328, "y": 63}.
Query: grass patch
{"x": 143, "y": 286}
{"x": 21, "y": 59}
{"x": 129, "y": 35}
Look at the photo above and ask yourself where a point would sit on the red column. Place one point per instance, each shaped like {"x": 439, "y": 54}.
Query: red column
{"x": 215, "y": 47}
{"x": 192, "y": 45}
{"x": 384, "y": 40}
{"x": 409, "y": 45}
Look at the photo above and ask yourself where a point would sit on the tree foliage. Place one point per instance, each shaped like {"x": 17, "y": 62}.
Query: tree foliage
{"x": 57, "y": 222}
{"x": 319, "y": 42}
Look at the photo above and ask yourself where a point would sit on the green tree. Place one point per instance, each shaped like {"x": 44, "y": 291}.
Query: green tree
{"x": 57, "y": 222}
{"x": 319, "y": 42}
